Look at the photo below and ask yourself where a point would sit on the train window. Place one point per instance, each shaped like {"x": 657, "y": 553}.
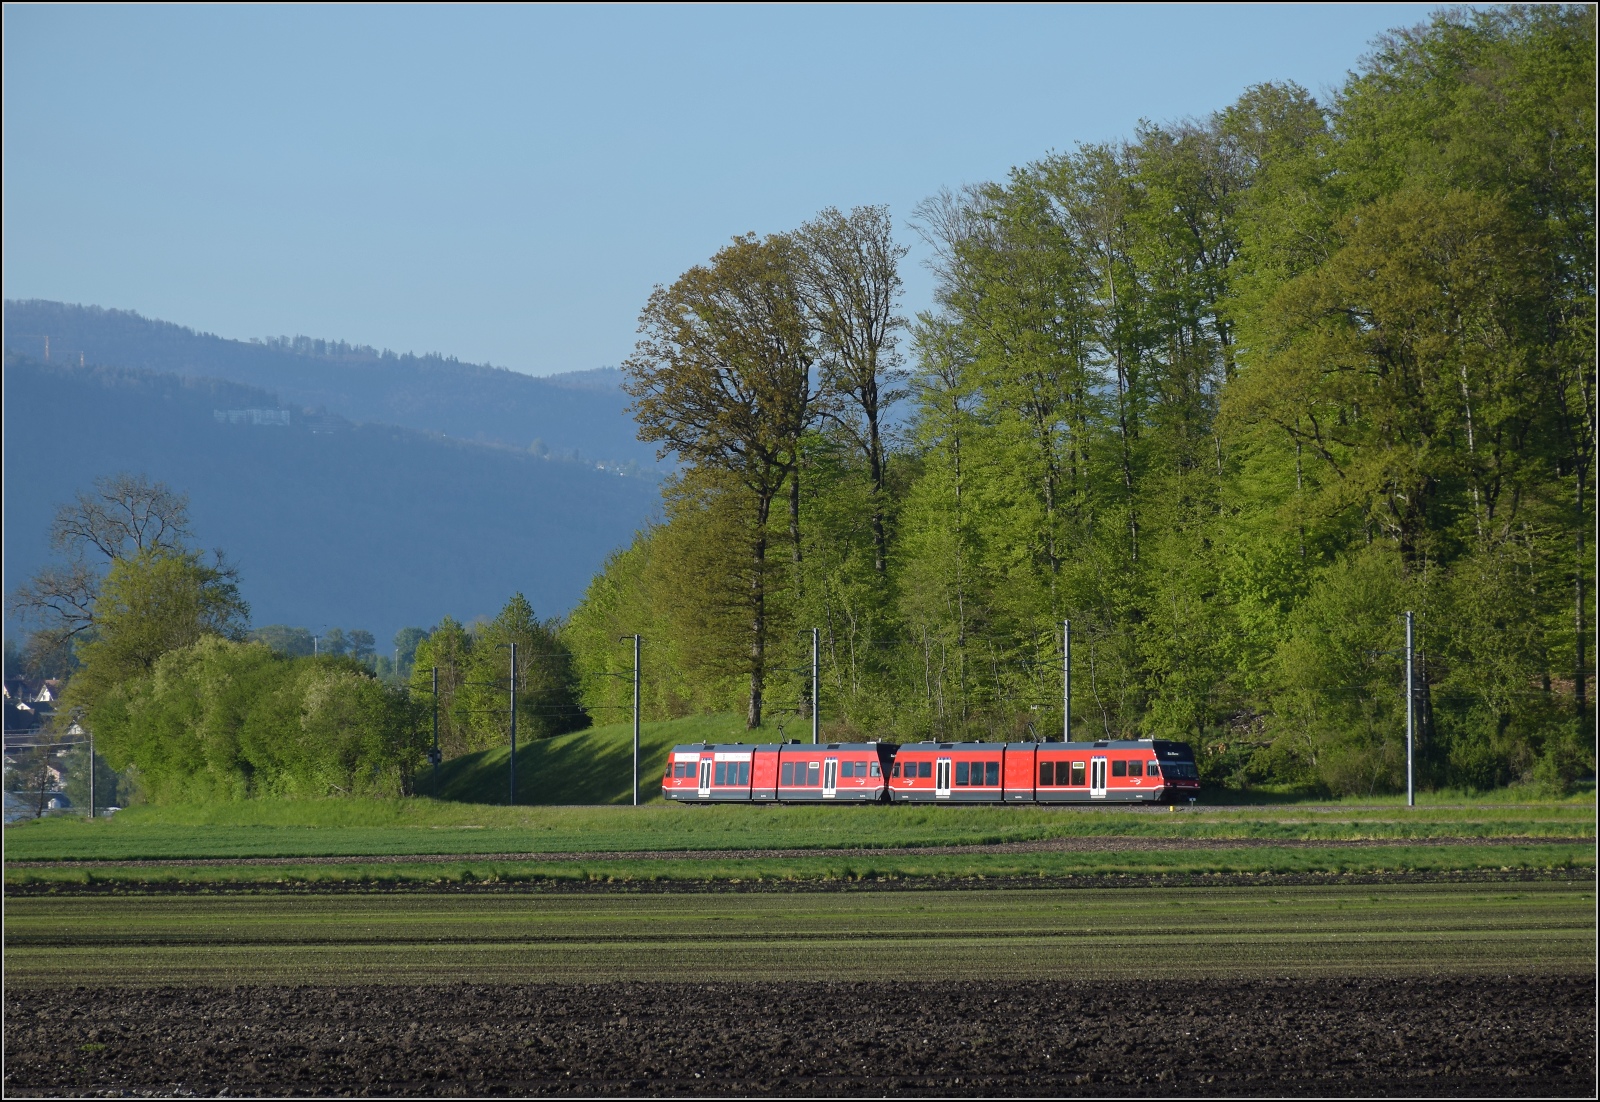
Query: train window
{"x": 961, "y": 772}
{"x": 1077, "y": 772}
{"x": 872, "y": 768}
{"x": 787, "y": 776}
{"x": 924, "y": 768}
{"x": 811, "y": 772}
{"x": 1047, "y": 772}
{"x": 744, "y": 772}
{"x": 1119, "y": 768}
{"x": 894, "y": 771}
{"x": 722, "y": 773}
{"x": 847, "y": 769}
{"x": 991, "y": 772}
{"x": 1152, "y": 769}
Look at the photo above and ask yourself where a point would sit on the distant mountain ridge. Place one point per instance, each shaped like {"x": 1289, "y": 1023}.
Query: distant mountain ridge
{"x": 581, "y": 413}
{"x": 332, "y": 523}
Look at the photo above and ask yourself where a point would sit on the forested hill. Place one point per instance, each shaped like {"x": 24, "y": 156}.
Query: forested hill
{"x": 1232, "y": 395}
{"x": 580, "y": 413}
{"x": 330, "y": 522}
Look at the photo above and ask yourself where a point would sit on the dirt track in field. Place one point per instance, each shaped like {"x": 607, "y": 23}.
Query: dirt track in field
{"x": 1048, "y": 845}
{"x": 1430, "y": 1037}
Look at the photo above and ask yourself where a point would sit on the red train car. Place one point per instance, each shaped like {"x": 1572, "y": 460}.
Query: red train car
{"x": 948, "y": 772}
{"x": 732, "y": 771}
{"x": 1113, "y": 771}
{"x": 791, "y": 772}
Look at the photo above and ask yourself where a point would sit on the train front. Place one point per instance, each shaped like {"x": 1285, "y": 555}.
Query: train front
{"x": 1180, "y": 777}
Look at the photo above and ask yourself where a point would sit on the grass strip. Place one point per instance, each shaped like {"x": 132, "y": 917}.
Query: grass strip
{"x": 319, "y": 828}
{"x": 1133, "y": 933}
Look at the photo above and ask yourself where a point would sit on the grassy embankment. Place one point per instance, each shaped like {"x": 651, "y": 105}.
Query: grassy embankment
{"x": 614, "y": 843}
{"x": 921, "y": 936}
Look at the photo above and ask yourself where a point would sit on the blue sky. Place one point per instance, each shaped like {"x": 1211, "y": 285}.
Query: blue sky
{"x": 507, "y": 184}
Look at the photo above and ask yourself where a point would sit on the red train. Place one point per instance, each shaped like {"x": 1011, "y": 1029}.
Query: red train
{"x": 1120, "y": 771}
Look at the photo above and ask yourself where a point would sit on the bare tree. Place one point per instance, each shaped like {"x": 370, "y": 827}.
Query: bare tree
{"x": 851, "y": 280}
{"x": 124, "y": 514}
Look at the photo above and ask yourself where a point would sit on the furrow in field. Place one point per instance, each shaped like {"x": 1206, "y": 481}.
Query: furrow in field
{"x": 1048, "y": 845}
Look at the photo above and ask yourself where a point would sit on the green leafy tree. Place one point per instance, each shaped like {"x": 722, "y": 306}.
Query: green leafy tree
{"x": 362, "y": 646}
{"x": 288, "y": 641}
{"x": 448, "y": 649}
{"x": 224, "y": 720}
{"x": 406, "y": 641}
{"x": 850, "y": 278}
{"x": 721, "y": 376}
{"x": 148, "y": 605}
{"x": 546, "y": 682}
{"x": 122, "y": 515}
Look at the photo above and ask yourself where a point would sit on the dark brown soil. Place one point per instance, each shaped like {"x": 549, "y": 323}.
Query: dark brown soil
{"x": 1433, "y": 1037}
{"x": 1093, "y": 844}
{"x": 546, "y": 886}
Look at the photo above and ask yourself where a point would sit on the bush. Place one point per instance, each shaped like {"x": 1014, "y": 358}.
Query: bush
{"x": 227, "y": 720}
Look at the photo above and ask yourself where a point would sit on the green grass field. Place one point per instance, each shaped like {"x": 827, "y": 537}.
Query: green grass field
{"x": 929, "y": 935}
{"x": 281, "y": 828}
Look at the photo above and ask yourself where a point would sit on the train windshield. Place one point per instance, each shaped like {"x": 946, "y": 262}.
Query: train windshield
{"x": 1179, "y": 771}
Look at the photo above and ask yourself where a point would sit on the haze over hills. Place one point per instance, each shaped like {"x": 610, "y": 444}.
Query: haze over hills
{"x": 331, "y": 522}
{"x": 580, "y": 413}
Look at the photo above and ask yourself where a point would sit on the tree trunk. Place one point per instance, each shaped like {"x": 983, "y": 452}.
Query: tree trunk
{"x": 880, "y": 546}
{"x": 758, "y": 611}
{"x": 1127, "y": 457}
{"x": 794, "y": 523}
{"x": 1580, "y": 672}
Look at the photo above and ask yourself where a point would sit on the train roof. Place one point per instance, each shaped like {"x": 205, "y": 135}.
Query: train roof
{"x": 866, "y": 747}
{"x": 1161, "y": 747}
{"x": 931, "y": 746}
{"x": 793, "y": 746}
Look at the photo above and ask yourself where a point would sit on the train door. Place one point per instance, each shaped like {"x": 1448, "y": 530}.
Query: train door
{"x": 941, "y": 778}
{"x": 1097, "y": 777}
{"x": 830, "y": 778}
{"x": 705, "y": 777}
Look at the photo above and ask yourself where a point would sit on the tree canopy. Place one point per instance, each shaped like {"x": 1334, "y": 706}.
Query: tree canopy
{"x": 1230, "y": 395}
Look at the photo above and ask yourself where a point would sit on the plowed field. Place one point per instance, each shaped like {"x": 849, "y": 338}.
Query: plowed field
{"x": 1480, "y": 1036}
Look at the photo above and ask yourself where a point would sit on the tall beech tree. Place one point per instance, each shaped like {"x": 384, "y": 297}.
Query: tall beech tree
{"x": 850, "y": 269}
{"x": 721, "y": 377}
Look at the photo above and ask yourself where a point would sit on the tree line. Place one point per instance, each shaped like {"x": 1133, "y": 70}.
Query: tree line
{"x": 1230, "y": 396}
{"x": 186, "y": 703}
